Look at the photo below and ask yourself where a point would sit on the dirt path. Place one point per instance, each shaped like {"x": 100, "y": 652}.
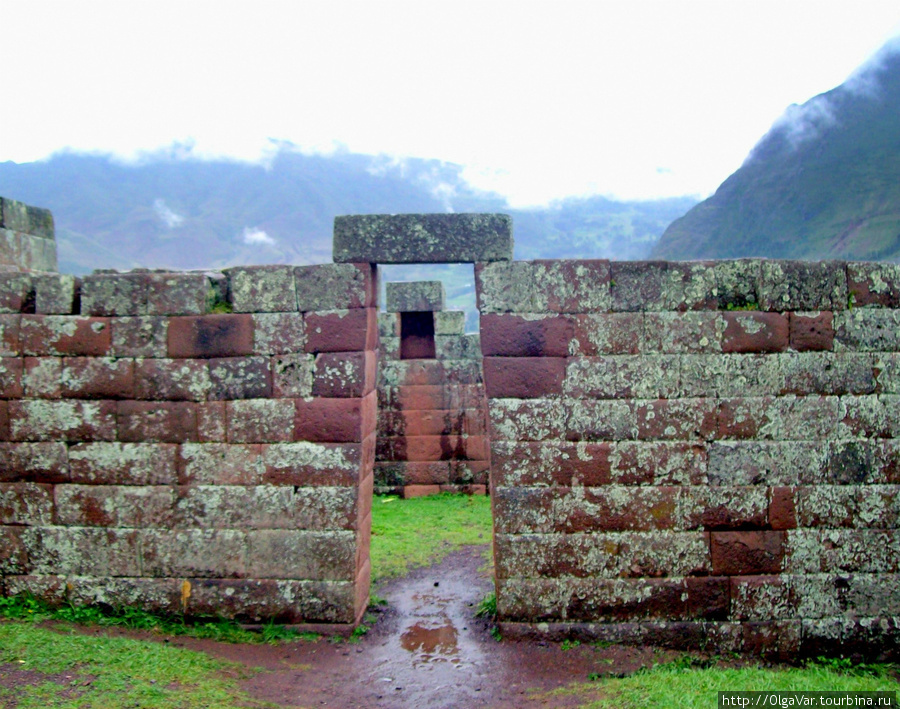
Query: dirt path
{"x": 426, "y": 650}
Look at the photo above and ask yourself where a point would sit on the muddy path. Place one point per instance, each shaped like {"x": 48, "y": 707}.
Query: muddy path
{"x": 426, "y": 649}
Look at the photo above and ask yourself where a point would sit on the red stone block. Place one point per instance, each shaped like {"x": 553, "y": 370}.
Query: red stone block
{"x": 342, "y": 331}
{"x": 423, "y": 473}
{"x": 334, "y": 420}
{"x": 708, "y": 597}
{"x": 514, "y": 336}
{"x": 71, "y": 335}
{"x": 470, "y": 471}
{"x": 42, "y": 377}
{"x": 747, "y": 553}
{"x": 240, "y": 378}
{"x": 4, "y": 421}
{"x": 260, "y": 420}
{"x": 741, "y": 419}
{"x": 782, "y": 512}
{"x": 11, "y": 377}
{"x": 524, "y": 377}
{"x": 172, "y": 379}
{"x": 429, "y": 448}
{"x": 557, "y": 463}
{"x": 755, "y": 332}
{"x": 9, "y": 334}
{"x": 211, "y": 426}
{"x": 676, "y": 419}
{"x": 410, "y": 491}
{"x": 432, "y": 423}
{"x": 160, "y": 422}
{"x": 608, "y": 333}
{"x": 207, "y": 336}
{"x": 71, "y": 421}
{"x": 812, "y": 332}
{"x": 97, "y": 378}
{"x": 344, "y": 374}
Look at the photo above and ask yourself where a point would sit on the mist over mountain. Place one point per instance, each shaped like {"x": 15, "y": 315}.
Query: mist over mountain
{"x": 180, "y": 212}
{"x": 824, "y": 182}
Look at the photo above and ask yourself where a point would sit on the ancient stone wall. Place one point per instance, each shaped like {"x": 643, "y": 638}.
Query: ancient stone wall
{"x": 190, "y": 442}
{"x": 432, "y": 412}
{"x": 27, "y": 238}
{"x": 696, "y": 454}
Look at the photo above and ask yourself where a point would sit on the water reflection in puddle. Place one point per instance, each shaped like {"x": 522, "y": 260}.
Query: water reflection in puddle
{"x": 437, "y": 644}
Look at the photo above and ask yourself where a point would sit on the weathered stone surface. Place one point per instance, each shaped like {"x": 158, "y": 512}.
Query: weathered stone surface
{"x": 44, "y": 420}
{"x": 148, "y": 294}
{"x": 607, "y": 333}
{"x": 172, "y": 379}
{"x": 874, "y": 285}
{"x": 415, "y": 296}
{"x": 342, "y": 286}
{"x": 661, "y": 285}
{"x": 262, "y": 289}
{"x": 55, "y": 294}
{"x": 341, "y": 330}
{"x": 446, "y": 322}
{"x": 423, "y": 238}
{"x": 457, "y": 347}
{"x": 812, "y": 331}
{"x": 524, "y": 377}
{"x": 755, "y": 332}
{"x": 210, "y": 336}
{"x": 240, "y": 378}
{"x": 15, "y": 291}
{"x": 260, "y": 420}
{"x": 867, "y": 330}
{"x": 97, "y": 378}
{"x": 114, "y": 506}
{"x": 33, "y": 462}
{"x": 803, "y": 285}
{"x": 278, "y": 333}
{"x": 157, "y": 422}
{"x": 24, "y": 252}
{"x": 298, "y": 554}
{"x": 543, "y": 287}
{"x": 140, "y": 337}
{"x": 74, "y": 336}
{"x": 344, "y": 374}
{"x": 42, "y": 377}
{"x": 122, "y": 464}
{"x": 26, "y": 503}
{"x": 18, "y": 216}
{"x": 292, "y": 375}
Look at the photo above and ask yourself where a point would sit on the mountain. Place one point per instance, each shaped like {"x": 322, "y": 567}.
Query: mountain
{"x": 171, "y": 210}
{"x": 824, "y": 182}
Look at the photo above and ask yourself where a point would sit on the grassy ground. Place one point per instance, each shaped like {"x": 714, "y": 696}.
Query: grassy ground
{"x": 421, "y": 531}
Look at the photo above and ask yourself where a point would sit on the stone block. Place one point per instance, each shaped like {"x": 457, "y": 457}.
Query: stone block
{"x": 411, "y": 491}
{"x": 724, "y": 508}
{"x": 240, "y": 378}
{"x": 812, "y": 332}
{"x": 431, "y": 448}
{"x": 33, "y": 462}
{"x": 607, "y": 333}
{"x": 424, "y": 422}
{"x": 292, "y": 375}
{"x": 16, "y": 291}
{"x": 315, "y": 464}
{"x": 755, "y": 332}
{"x": 220, "y": 464}
{"x": 344, "y": 374}
{"x": 341, "y": 330}
{"x": 11, "y": 377}
{"x": 114, "y": 506}
{"x": 524, "y": 377}
{"x": 457, "y": 347}
{"x": 782, "y": 511}
{"x": 803, "y": 285}
{"x": 211, "y": 426}
{"x": 97, "y": 378}
{"x": 334, "y": 420}
{"x": 18, "y": 216}
{"x": 423, "y": 238}
{"x": 447, "y": 322}
{"x": 299, "y": 554}
{"x": 13, "y": 554}
{"x": 535, "y": 463}
{"x": 188, "y": 553}
{"x": 600, "y": 420}
{"x": 4, "y": 420}
{"x": 415, "y": 296}
{"x": 140, "y": 337}
{"x": 626, "y": 376}
{"x": 758, "y": 598}
{"x": 343, "y": 286}
{"x": 171, "y": 380}
{"x": 83, "y": 551}
{"x": 527, "y": 419}
{"x": 767, "y": 462}
{"x": 69, "y": 335}
{"x": 121, "y": 464}
{"x": 543, "y": 287}
{"x": 260, "y": 420}
{"x": 26, "y": 503}
{"x": 676, "y": 419}
{"x": 737, "y": 283}
{"x": 874, "y": 285}
{"x": 653, "y": 286}
{"x": 658, "y": 463}
{"x": 179, "y": 294}
{"x": 865, "y": 417}
{"x": 867, "y": 330}
{"x": 509, "y": 335}
{"x": 9, "y": 335}
{"x": 429, "y": 397}
{"x": 209, "y": 336}
{"x": 114, "y": 294}
{"x": 56, "y": 294}
{"x": 45, "y": 420}
{"x": 157, "y": 421}
{"x": 683, "y": 333}
{"x": 388, "y": 325}
{"x": 262, "y": 289}
{"x": 278, "y": 333}
{"x": 403, "y": 472}
{"x": 747, "y": 553}
{"x": 829, "y": 373}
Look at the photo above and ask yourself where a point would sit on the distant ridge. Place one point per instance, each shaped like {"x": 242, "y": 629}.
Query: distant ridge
{"x": 824, "y": 182}
{"x": 175, "y": 212}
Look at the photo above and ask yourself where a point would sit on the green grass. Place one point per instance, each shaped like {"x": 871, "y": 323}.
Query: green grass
{"x": 423, "y": 530}
{"x": 29, "y": 609}
{"x": 683, "y": 685}
{"x": 115, "y": 672}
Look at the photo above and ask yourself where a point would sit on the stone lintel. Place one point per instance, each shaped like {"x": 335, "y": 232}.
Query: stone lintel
{"x": 423, "y": 238}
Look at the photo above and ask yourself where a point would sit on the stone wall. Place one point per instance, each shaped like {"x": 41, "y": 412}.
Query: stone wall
{"x": 27, "y": 238}
{"x": 190, "y": 442}
{"x": 696, "y": 454}
{"x": 432, "y": 412}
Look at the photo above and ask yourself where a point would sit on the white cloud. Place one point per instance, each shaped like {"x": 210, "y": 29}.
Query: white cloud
{"x": 166, "y": 215}
{"x": 257, "y": 236}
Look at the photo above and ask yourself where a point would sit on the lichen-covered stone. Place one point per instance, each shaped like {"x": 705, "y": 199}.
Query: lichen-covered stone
{"x": 446, "y": 322}
{"x": 262, "y": 289}
{"x": 18, "y": 216}
{"x": 415, "y": 296}
{"x": 543, "y": 287}
{"x": 423, "y": 238}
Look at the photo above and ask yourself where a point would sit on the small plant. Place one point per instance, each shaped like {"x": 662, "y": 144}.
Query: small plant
{"x": 749, "y": 305}
{"x": 495, "y": 633}
{"x": 221, "y": 307}
{"x": 569, "y": 644}
{"x": 845, "y": 666}
{"x": 487, "y": 608}
{"x": 593, "y": 677}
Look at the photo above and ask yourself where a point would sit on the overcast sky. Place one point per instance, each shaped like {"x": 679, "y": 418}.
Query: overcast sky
{"x": 539, "y": 100}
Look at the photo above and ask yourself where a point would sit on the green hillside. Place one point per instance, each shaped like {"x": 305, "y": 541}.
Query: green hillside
{"x": 823, "y": 183}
